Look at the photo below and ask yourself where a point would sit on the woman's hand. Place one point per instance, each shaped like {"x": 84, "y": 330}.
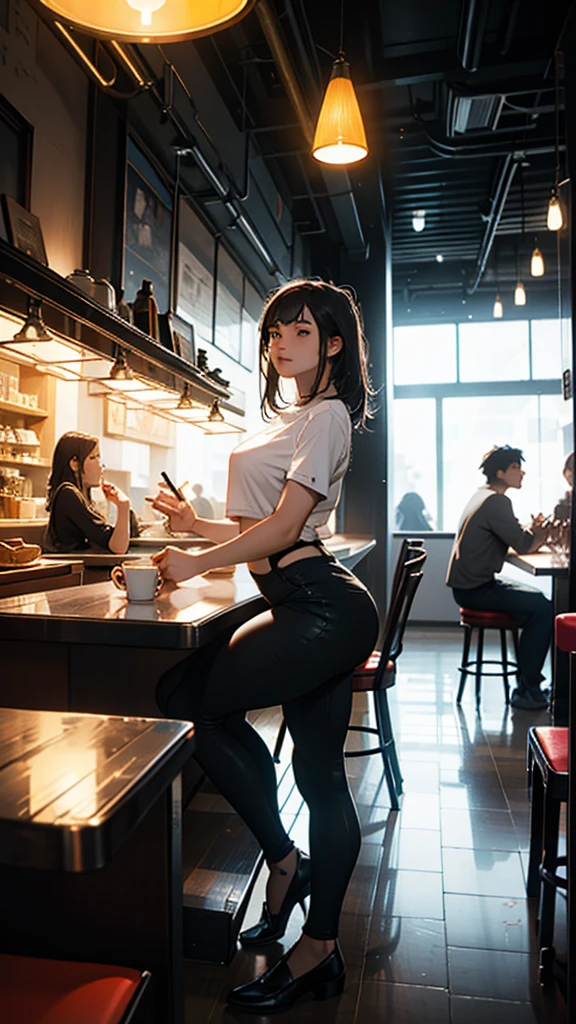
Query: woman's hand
{"x": 178, "y": 565}
{"x": 181, "y": 515}
{"x": 115, "y": 495}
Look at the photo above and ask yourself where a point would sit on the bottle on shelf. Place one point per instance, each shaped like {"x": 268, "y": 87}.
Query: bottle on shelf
{"x": 145, "y": 310}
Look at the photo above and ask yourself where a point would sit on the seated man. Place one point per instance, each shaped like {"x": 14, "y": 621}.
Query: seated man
{"x": 487, "y": 529}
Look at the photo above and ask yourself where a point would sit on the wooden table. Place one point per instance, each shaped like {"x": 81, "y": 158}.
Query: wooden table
{"x": 47, "y": 574}
{"x": 555, "y": 565}
{"x": 90, "y": 843}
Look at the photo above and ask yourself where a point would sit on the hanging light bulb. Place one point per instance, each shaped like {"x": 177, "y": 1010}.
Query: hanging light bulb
{"x": 146, "y": 8}
{"x": 132, "y": 21}
{"x": 554, "y": 219}
{"x": 340, "y": 137}
{"x": 520, "y": 295}
{"x": 498, "y": 310}
{"x": 537, "y": 263}
{"x": 419, "y": 220}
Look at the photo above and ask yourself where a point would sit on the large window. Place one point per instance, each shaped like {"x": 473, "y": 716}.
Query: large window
{"x": 460, "y": 390}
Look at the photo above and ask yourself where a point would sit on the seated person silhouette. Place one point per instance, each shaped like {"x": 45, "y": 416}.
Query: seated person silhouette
{"x": 412, "y": 514}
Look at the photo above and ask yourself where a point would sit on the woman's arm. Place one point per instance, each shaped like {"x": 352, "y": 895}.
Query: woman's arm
{"x": 120, "y": 538}
{"x": 278, "y": 531}
{"x": 183, "y": 519}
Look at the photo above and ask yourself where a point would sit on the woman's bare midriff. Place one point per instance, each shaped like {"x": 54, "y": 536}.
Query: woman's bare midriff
{"x": 262, "y": 566}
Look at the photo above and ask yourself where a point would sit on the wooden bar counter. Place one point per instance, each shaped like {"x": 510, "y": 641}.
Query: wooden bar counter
{"x": 89, "y": 649}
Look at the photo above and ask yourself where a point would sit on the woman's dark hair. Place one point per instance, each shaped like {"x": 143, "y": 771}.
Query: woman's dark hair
{"x": 569, "y": 464}
{"x": 499, "y": 458}
{"x": 411, "y": 513}
{"x": 336, "y": 315}
{"x": 73, "y": 444}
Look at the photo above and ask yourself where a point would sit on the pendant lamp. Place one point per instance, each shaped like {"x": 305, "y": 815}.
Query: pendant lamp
{"x": 537, "y": 263}
{"x": 498, "y": 310}
{"x": 148, "y": 21}
{"x": 520, "y": 295}
{"x": 340, "y": 137}
{"x": 554, "y": 218}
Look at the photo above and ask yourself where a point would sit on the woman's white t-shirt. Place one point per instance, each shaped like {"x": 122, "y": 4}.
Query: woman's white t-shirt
{"x": 309, "y": 444}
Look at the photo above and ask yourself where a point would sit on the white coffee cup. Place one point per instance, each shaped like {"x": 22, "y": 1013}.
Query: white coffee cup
{"x": 141, "y": 580}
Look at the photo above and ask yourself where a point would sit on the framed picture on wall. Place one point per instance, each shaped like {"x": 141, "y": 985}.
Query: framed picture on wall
{"x": 16, "y": 136}
{"x": 184, "y": 343}
{"x": 24, "y": 231}
{"x": 147, "y": 229}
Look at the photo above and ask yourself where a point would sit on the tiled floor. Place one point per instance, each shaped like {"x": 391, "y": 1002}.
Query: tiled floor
{"x": 436, "y": 926}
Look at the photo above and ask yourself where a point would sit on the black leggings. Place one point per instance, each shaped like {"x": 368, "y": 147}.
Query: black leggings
{"x": 301, "y": 653}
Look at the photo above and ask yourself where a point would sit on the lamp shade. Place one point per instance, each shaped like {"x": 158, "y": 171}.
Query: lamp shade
{"x": 148, "y": 21}
{"x": 340, "y": 137}
{"x": 537, "y": 263}
{"x": 520, "y": 295}
{"x": 498, "y": 310}
{"x": 554, "y": 218}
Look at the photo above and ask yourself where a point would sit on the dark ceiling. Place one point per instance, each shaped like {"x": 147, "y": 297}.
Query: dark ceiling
{"x": 459, "y": 99}
{"x": 464, "y": 110}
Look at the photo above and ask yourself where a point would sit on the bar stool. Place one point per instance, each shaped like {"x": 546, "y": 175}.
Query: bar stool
{"x": 34, "y": 989}
{"x": 471, "y": 619}
{"x": 548, "y": 753}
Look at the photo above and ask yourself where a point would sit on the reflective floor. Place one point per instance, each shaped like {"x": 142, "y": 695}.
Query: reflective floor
{"x": 436, "y": 926}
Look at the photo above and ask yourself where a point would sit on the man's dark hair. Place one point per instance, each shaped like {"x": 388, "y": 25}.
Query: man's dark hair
{"x": 499, "y": 458}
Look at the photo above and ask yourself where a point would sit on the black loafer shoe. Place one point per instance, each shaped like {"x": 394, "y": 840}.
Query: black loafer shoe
{"x": 277, "y": 991}
{"x": 271, "y": 927}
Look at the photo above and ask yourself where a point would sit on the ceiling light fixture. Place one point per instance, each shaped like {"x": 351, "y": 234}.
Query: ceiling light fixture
{"x": 554, "y": 218}
{"x": 520, "y": 291}
{"x": 520, "y": 294}
{"x": 419, "y": 220}
{"x": 33, "y": 328}
{"x": 537, "y": 263}
{"x": 149, "y": 21}
{"x": 120, "y": 371}
{"x": 439, "y": 258}
{"x": 146, "y": 8}
{"x": 340, "y": 137}
{"x": 498, "y": 310}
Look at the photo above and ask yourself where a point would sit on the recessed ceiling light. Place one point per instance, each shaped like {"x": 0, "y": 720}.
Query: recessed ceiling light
{"x": 439, "y": 258}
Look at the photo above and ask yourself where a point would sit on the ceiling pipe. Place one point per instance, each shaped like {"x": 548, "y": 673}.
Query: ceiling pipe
{"x": 337, "y": 181}
{"x": 471, "y": 34}
{"x": 505, "y": 179}
{"x": 269, "y": 25}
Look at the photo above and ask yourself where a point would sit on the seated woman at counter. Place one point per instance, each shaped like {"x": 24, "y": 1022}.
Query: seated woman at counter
{"x": 301, "y": 653}
{"x": 75, "y": 524}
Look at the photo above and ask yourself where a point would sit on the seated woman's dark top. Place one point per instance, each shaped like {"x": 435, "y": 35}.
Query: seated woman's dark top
{"x": 74, "y": 524}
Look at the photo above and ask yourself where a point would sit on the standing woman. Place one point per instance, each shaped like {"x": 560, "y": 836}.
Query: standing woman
{"x": 74, "y": 524}
{"x": 283, "y": 484}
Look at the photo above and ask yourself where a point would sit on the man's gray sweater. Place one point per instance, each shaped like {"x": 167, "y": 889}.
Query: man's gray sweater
{"x": 487, "y": 529}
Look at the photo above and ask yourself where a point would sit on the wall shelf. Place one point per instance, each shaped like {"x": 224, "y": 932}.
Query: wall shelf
{"x": 9, "y": 460}
{"x": 23, "y": 410}
{"x": 75, "y": 316}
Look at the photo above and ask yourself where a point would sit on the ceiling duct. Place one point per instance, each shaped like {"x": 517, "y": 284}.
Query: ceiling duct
{"x": 473, "y": 113}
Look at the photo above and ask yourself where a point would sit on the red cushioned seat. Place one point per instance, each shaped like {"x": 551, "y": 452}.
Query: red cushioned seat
{"x": 554, "y": 743}
{"x": 566, "y": 632}
{"x": 37, "y": 991}
{"x": 487, "y": 620}
{"x": 364, "y": 674}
